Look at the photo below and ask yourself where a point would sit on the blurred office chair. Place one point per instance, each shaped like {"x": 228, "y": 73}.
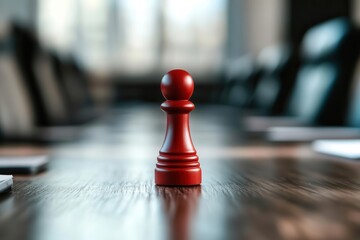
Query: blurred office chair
{"x": 74, "y": 83}
{"x": 17, "y": 118}
{"x": 49, "y": 103}
{"x": 241, "y": 77}
{"x": 321, "y": 90}
{"x": 275, "y": 85}
{"x": 351, "y": 130}
{"x": 353, "y": 116}
{"x": 31, "y": 102}
{"x": 58, "y": 87}
{"x": 329, "y": 52}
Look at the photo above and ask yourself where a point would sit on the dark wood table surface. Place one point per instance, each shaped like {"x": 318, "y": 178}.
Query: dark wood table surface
{"x": 102, "y": 186}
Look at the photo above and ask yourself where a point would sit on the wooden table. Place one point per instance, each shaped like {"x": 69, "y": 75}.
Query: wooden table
{"x": 102, "y": 186}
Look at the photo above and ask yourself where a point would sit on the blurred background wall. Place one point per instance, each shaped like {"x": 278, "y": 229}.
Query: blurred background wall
{"x": 141, "y": 38}
{"x": 123, "y": 47}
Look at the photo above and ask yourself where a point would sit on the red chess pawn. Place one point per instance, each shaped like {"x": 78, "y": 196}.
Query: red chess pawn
{"x": 177, "y": 161}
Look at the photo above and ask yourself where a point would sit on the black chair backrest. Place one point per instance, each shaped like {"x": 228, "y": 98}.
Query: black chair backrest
{"x": 241, "y": 78}
{"x": 46, "y": 95}
{"x": 25, "y": 47}
{"x": 16, "y": 109}
{"x": 74, "y": 83}
{"x": 321, "y": 92}
{"x": 353, "y": 118}
{"x": 279, "y": 65}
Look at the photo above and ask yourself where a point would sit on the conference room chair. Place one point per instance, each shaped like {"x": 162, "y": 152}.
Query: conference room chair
{"x": 353, "y": 110}
{"x": 45, "y": 93}
{"x": 75, "y": 84}
{"x": 241, "y": 77}
{"x": 58, "y": 85}
{"x": 17, "y": 113}
{"x": 279, "y": 66}
{"x": 321, "y": 93}
{"x": 34, "y": 106}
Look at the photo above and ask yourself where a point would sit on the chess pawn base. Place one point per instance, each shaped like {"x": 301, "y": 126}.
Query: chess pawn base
{"x": 177, "y": 170}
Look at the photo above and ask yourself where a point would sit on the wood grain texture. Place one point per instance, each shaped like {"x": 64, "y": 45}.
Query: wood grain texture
{"x": 102, "y": 187}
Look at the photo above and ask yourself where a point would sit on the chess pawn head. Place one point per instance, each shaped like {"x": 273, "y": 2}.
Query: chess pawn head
{"x": 177, "y": 85}
{"x": 177, "y": 161}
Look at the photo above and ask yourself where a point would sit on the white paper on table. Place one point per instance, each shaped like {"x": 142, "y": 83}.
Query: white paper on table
{"x": 32, "y": 163}
{"x": 342, "y": 148}
{"x": 6, "y": 181}
{"x": 299, "y": 134}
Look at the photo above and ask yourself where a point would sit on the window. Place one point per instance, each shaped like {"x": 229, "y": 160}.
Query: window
{"x": 137, "y": 37}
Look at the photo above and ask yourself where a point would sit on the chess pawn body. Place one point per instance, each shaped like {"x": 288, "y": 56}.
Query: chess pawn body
{"x": 177, "y": 161}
